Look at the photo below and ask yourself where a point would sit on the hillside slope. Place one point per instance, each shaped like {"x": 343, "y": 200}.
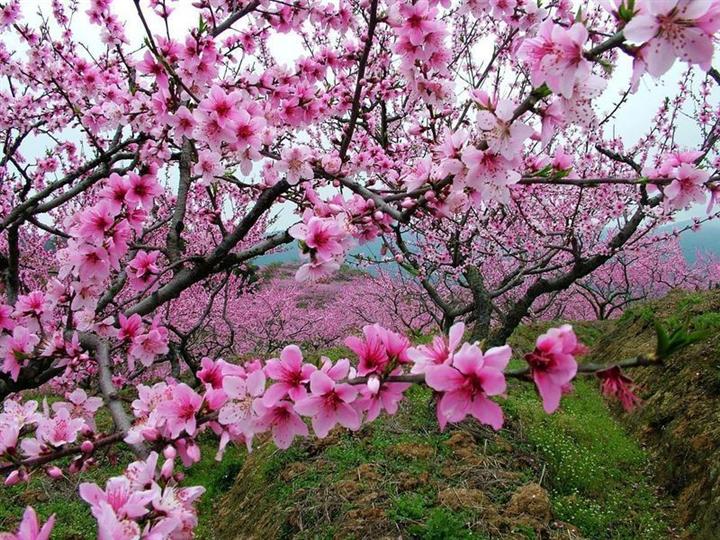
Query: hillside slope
{"x": 680, "y": 419}
{"x": 575, "y": 474}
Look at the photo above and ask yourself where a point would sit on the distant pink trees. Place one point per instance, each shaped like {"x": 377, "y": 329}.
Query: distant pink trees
{"x": 278, "y": 311}
{"x": 648, "y": 272}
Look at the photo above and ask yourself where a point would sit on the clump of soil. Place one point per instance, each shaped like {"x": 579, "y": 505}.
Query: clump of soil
{"x": 679, "y": 420}
{"x": 531, "y": 504}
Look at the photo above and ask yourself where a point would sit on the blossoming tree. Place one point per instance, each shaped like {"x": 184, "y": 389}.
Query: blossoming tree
{"x": 141, "y": 178}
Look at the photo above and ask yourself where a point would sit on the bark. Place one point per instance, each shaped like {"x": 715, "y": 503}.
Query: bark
{"x": 482, "y": 304}
{"x": 580, "y": 269}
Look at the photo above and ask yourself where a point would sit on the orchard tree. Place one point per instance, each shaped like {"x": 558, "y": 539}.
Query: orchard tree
{"x": 645, "y": 273}
{"x": 142, "y": 176}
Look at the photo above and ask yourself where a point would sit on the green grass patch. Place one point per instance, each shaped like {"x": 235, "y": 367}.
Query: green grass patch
{"x": 596, "y": 471}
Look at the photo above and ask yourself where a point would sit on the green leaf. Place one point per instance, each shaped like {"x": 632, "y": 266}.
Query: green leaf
{"x": 663, "y": 341}
{"x": 676, "y": 340}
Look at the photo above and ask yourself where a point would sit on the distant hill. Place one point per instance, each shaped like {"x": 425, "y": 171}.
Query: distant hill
{"x": 706, "y": 239}
{"x": 290, "y": 255}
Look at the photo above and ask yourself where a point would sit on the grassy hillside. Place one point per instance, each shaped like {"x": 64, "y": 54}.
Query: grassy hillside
{"x": 575, "y": 474}
{"x": 680, "y": 420}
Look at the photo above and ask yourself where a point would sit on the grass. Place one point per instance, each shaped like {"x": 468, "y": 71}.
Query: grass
{"x": 678, "y": 421}
{"x": 391, "y": 476}
{"x": 596, "y": 471}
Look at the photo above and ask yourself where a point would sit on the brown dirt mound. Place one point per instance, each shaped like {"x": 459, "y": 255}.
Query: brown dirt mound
{"x": 680, "y": 418}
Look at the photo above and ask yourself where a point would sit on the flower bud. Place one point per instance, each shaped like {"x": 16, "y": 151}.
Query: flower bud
{"x": 169, "y": 452}
{"x": 373, "y": 384}
{"x": 87, "y": 447}
{"x": 13, "y": 478}
{"x": 54, "y": 472}
{"x": 166, "y": 470}
{"x": 193, "y": 452}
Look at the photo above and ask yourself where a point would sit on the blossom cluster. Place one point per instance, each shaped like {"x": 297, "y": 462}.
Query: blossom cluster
{"x": 239, "y": 402}
{"x": 144, "y": 502}
{"x": 687, "y": 181}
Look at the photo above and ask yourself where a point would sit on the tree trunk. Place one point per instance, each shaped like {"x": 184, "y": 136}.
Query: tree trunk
{"x": 482, "y": 304}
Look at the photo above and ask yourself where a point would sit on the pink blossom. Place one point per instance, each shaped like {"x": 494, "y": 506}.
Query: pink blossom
{"x": 91, "y": 263}
{"x": 219, "y": 106}
{"x": 143, "y": 268}
{"x": 214, "y": 373}
{"x": 241, "y": 392}
{"x": 291, "y": 376}
{"x": 687, "y": 187}
{"x": 504, "y": 136}
{"x": 315, "y": 270}
{"x": 33, "y": 304}
{"x": 248, "y": 131}
{"x": 489, "y": 174}
{"x": 120, "y": 494}
{"x": 80, "y": 405}
{"x": 21, "y": 413}
{"x": 295, "y": 164}
{"x": 111, "y": 527}
{"x": 9, "y": 13}
{"x": 183, "y": 123}
{"x": 330, "y": 402}
{"x": 96, "y": 221}
{"x": 30, "y": 527}
{"x": 6, "y": 322}
{"x": 177, "y": 503}
{"x": 60, "y": 429}
{"x": 386, "y": 397}
{"x": 553, "y": 363}
{"x": 439, "y": 351}
{"x": 371, "y": 351}
{"x": 417, "y": 21}
{"x": 16, "y": 349}
{"x": 468, "y": 382}
{"x": 142, "y": 190}
{"x": 616, "y": 384}
{"x": 141, "y": 474}
{"x": 555, "y": 56}
{"x": 9, "y": 433}
{"x": 321, "y": 237}
{"x": 179, "y": 412}
{"x": 151, "y": 66}
{"x": 281, "y": 418}
{"x": 674, "y": 29}
{"x": 147, "y": 346}
{"x": 130, "y": 327}
{"x": 208, "y": 166}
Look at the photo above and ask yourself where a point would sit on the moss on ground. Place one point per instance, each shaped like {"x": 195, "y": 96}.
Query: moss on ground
{"x": 401, "y": 476}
